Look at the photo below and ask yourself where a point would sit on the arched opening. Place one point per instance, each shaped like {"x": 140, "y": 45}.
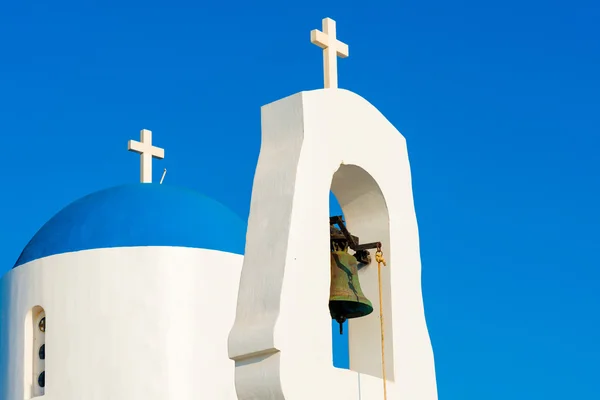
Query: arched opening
{"x": 35, "y": 353}
{"x": 363, "y": 206}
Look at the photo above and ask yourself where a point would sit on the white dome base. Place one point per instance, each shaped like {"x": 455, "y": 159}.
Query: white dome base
{"x": 131, "y": 323}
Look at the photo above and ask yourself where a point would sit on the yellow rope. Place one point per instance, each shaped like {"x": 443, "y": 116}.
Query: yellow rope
{"x": 380, "y": 260}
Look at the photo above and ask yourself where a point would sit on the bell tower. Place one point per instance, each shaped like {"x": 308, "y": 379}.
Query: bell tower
{"x": 314, "y": 142}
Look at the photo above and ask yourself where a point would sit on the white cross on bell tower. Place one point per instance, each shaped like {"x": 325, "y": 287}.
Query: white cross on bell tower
{"x": 147, "y": 152}
{"x": 332, "y": 49}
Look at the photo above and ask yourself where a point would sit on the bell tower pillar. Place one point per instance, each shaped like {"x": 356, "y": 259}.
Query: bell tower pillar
{"x": 281, "y": 340}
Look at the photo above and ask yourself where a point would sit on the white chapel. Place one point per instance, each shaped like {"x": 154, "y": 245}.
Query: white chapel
{"x": 122, "y": 283}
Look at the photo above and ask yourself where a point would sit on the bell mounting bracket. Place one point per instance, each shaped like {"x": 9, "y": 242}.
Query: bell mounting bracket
{"x": 353, "y": 241}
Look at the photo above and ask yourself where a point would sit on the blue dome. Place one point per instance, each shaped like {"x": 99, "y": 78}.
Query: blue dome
{"x": 139, "y": 215}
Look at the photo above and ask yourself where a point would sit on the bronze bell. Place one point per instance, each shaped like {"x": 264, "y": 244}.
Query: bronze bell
{"x": 346, "y": 299}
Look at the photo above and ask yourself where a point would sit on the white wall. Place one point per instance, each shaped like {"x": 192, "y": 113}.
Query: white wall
{"x": 137, "y": 323}
{"x": 281, "y": 338}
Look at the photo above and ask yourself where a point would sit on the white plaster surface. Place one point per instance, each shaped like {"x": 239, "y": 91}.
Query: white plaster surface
{"x": 137, "y": 323}
{"x": 281, "y": 340}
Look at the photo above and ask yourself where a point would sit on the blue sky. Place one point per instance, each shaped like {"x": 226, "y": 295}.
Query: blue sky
{"x": 498, "y": 102}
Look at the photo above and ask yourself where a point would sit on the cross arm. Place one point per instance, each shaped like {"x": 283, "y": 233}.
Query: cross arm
{"x": 133, "y": 145}
{"x": 319, "y": 38}
{"x": 341, "y": 49}
{"x": 138, "y": 147}
{"x": 157, "y": 152}
{"x": 322, "y": 40}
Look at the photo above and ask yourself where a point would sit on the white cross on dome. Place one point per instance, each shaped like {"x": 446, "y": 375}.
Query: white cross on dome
{"x": 147, "y": 152}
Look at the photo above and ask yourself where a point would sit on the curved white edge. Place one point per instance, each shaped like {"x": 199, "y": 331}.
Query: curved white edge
{"x": 281, "y": 337}
{"x": 124, "y": 323}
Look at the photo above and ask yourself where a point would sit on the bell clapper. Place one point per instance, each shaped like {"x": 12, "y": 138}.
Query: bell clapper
{"x": 341, "y": 320}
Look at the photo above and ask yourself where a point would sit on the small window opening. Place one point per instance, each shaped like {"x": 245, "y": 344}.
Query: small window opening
{"x": 35, "y": 353}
